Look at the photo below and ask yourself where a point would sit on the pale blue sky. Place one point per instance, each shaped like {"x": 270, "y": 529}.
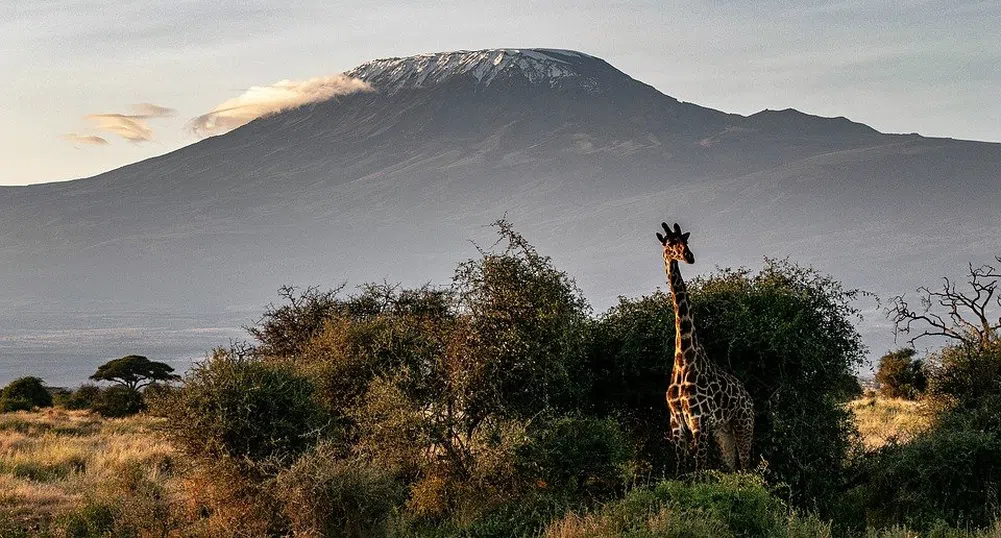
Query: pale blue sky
{"x": 904, "y": 66}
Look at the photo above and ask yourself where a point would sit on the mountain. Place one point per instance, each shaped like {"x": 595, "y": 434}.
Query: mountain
{"x": 585, "y": 160}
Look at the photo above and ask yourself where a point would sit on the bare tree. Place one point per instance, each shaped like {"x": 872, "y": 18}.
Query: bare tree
{"x": 963, "y": 315}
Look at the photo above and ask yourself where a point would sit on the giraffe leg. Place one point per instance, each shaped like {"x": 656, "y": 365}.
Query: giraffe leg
{"x": 727, "y": 442}
{"x": 678, "y": 439}
{"x": 699, "y": 444}
{"x": 744, "y": 434}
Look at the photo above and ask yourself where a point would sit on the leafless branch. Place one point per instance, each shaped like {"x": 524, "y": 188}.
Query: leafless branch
{"x": 963, "y": 315}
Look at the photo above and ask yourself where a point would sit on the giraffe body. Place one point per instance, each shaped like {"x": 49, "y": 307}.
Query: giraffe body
{"x": 703, "y": 398}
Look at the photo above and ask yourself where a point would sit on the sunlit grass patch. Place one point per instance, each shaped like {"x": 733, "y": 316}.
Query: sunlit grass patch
{"x": 51, "y": 459}
{"x": 881, "y": 420}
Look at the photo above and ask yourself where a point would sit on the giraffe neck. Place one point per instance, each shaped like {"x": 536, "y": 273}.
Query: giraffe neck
{"x": 685, "y": 341}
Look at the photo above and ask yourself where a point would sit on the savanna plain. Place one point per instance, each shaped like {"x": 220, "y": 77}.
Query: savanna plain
{"x": 501, "y": 405}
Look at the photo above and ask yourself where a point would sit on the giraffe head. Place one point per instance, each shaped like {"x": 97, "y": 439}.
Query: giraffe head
{"x": 675, "y": 244}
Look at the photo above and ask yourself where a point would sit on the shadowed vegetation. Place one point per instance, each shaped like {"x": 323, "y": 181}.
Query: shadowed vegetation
{"x": 502, "y": 406}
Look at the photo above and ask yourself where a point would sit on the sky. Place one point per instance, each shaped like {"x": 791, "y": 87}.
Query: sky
{"x": 92, "y": 85}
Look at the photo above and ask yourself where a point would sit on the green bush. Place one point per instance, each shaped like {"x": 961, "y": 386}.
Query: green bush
{"x": 718, "y": 505}
{"x": 521, "y": 342}
{"x": 900, "y": 375}
{"x": 9, "y": 405}
{"x": 119, "y": 401}
{"x": 243, "y": 409}
{"x": 632, "y": 354}
{"x": 325, "y": 495}
{"x": 84, "y": 397}
{"x": 964, "y": 375}
{"x": 285, "y": 329}
{"x": 587, "y": 458}
{"x": 24, "y": 393}
{"x": 951, "y": 473}
{"x": 788, "y": 333}
{"x": 92, "y": 520}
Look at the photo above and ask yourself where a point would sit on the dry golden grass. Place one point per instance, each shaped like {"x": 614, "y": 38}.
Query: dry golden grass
{"x": 51, "y": 459}
{"x": 880, "y": 420}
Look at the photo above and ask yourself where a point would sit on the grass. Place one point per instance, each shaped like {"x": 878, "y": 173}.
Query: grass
{"x": 53, "y": 460}
{"x": 881, "y": 420}
{"x": 58, "y": 467}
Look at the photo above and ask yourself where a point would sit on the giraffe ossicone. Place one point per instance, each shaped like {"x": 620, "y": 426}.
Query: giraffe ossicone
{"x": 702, "y": 397}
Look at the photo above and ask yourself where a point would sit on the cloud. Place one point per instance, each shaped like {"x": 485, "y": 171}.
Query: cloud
{"x": 84, "y": 140}
{"x": 132, "y": 127}
{"x": 149, "y": 110}
{"x": 261, "y": 101}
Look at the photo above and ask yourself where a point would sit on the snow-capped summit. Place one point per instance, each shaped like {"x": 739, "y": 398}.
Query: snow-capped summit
{"x": 542, "y": 67}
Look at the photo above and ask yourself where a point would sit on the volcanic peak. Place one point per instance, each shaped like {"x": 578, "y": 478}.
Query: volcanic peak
{"x": 544, "y": 67}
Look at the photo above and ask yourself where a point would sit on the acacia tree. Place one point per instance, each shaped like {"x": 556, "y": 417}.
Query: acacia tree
{"x": 900, "y": 375}
{"x": 964, "y": 316}
{"x": 134, "y": 372}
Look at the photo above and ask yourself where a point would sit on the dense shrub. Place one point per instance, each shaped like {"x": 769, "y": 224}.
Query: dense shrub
{"x": 521, "y": 342}
{"x": 84, "y": 397}
{"x": 717, "y": 506}
{"x": 586, "y": 458}
{"x": 24, "y": 393}
{"x": 950, "y": 473}
{"x": 964, "y": 375}
{"x": 632, "y": 355}
{"x": 900, "y": 375}
{"x": 326, "y": 495}
{"x": 235, "y": 407}
{"x": 9, "y": 405}
{"x": 91, "y": 520}
{"x": 119, "y": 401}
{"x": 787, "y": 332}
{"x": 284, "y": 330}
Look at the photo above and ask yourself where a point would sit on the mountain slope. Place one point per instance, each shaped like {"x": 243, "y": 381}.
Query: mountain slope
{"x": 585, "y": 160}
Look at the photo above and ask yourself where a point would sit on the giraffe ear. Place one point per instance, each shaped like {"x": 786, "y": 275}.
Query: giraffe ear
{"x": 661, "y": 238}
{"x": 677, "y": 229}
{"x": 684, "y": 236}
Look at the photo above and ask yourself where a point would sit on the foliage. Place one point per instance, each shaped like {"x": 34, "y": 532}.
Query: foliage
{"x": 24, "y": 393}
{"x": 384, "y": 331}
{"x": 240, "y": 408}
{"x": 134, "y": 372}
{"x": 717, "y": 505}
{"x": 952, "y": 472}
{"x": 284, "y": 330}
{"x": 84, "y": 397}
{"x": 119, "y": 401}
{"x": 325, "y": 495}
{"x": 586, "y": 458}
{"x": 964, "y": 375}
{"x": 92, "y": 520}
{"x": 522, "y": 335}
{"x": 632, "y": 354}
{"x": 900, "y": 375}
{"x": 788, "y": 333}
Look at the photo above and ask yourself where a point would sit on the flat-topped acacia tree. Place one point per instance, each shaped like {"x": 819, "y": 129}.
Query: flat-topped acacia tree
{"x": 134, "y": 372}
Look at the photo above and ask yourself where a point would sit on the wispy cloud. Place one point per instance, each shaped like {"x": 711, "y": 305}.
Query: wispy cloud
{"x": 132, "y": 127}
{"x": 84, "y": 140}
{"x": 261, "y": 101}
{"x": 149, "y": 110}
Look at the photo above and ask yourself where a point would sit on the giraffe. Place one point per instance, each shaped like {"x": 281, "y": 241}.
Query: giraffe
{"x": 702, "y": 397}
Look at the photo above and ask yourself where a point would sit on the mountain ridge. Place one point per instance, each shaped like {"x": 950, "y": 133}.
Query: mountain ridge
{"x": 393, "y": 185}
